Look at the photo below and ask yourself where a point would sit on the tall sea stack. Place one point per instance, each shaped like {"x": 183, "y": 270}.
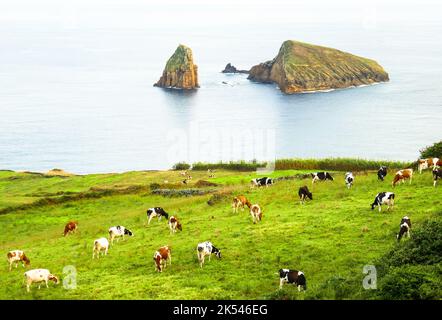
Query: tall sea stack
{"x": 301, "y": 67}
{"x": 180, "y": 71}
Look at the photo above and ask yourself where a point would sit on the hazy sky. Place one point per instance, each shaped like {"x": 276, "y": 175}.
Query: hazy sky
{"x": 205, "y": 13}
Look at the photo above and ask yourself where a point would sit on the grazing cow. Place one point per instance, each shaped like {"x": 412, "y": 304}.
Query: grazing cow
{"x": 160, "y": 258}
{"x": 405, "y": 227}
{"x": 206, "y": 249}
{"x": 256, "y": 213}
{"x": 39, "y": 276}
{"x": 259, "y": 182}
{"x": 292, "y": 276}
{"x": 382, "y": 173}
{"x": 349, "y": 179}
{"x": 240, "y": 201}
{"x": 321, "y": 176}
{"x": 402, "y": 175}
{"x": 437, "y": 174}
{"x": 383, "y": 198}
{"x": 100, "y": 245}
{"x": 429, "y": 163}
{"x": 156, "y": 212}
{"x": 304, "y": 193}
{"x": 71, "y": 226}
{"x": 17, "y": 256}
{"x": 117, "y": 232}
{"x": 184, "y": 173}
{"x": 174, "y": 224}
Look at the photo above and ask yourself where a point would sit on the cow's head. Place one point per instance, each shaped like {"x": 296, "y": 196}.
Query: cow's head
{"x": 149, "y": 212}
{"x": 51, "y": 277}
{"x": 328, "y": 176}
{"x": 128, "y": 232}
{"x": 179, "y": 227}
{"x": 26, "y": 260}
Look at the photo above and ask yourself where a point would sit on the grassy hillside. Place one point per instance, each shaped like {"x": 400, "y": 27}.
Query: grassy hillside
{"x": 334, "y": 235}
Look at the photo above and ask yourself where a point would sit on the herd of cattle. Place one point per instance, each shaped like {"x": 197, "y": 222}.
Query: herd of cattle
{"x": 163, "y": 255}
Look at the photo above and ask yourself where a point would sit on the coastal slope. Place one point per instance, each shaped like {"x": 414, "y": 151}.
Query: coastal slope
{"x": 180, "y": 71}
{"x": 301, "y": 67}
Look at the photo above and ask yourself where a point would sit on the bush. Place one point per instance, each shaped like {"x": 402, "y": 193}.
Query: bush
{"x": 232, "y": 165}
{"x": 181, "y": 166}
{"x": 154, "y": 186}
{"x": 432, "y": 151}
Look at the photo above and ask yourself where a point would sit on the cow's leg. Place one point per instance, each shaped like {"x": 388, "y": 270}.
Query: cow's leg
{"x": 379, "y": 208}
{"x": 170, "y": 259}
{"x": 28, "y": 285}
{"x": 150, "y": 218}
{"x": 105, "y": 251}
{"x": 46, "y": 281}
{"x": 281, "y": 282}
{"x": 10, "y": 265}
{"x": 299, "y": 288}
{"x": 16, "y": 264}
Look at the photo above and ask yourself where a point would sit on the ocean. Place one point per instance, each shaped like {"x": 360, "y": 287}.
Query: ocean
{"x": 76, "y": 84}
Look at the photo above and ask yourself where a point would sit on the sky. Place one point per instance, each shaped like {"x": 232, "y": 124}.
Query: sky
{"x": 179, "y": 13}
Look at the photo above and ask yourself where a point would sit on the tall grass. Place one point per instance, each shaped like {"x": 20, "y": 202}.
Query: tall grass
{"x": 337, "y": 164}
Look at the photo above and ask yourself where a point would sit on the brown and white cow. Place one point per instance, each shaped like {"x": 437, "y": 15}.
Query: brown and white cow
{"x": 429, "y": 163}
{"x": 71, "y": 226}
{"x": 17, "y": 256}
{"x": 174, "y": 224}
{"x": 403, "y": 175}
{"x": 256, "y": 213}
{"x": 160, "y": 258}
{"x": 39, "y": 276}
{"x": 240, "y": 201}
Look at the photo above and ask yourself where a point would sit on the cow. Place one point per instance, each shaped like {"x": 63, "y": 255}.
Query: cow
{"x": 100, "y": 245}
{"x": 17, "y": 256}
{"x": 382, "y": 173}
{"x": 429, "y": 163}
{"x": 160, "y": 258}
{"x": 156, "y": 212}
{"x": 117, "y": 232}
{"x": 304, "y": 193}
{"x": 321, "y": 176}
{"x": 39, "y": 276}
{"x": 383, "y": 198}
{"x": 292, "y": 276}
{"x": 402, "y": 175}
{"x": 174, "y": 224}
{"x": 206, "y": 249}
{"x": 264, "y": 181}
{"x": 240, "y": 201}
{"x": 71, "y": 226}
{"x": 437, "y": 174}
{"x": 349, "y": 179}
{"x": 256, "y": 213}
{"x": 405, "y": 227}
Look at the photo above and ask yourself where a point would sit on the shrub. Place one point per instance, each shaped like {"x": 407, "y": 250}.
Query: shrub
{"x": 181, "y": 166}
{"x": 232, "y": 165}
{"x": 432, "y": 151}
{"x": 154, "y": 186}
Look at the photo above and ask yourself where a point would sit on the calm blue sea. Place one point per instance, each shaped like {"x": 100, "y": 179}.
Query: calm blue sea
{"x": 76, "y": 86}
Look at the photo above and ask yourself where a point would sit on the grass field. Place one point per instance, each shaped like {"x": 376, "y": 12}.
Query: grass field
{"x": 336, "y": 234}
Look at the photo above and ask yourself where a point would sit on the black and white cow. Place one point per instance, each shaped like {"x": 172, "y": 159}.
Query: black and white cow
{"x": 349, "y": 179}
{"x": 383, "y": 198}
{"x": 304, "y": 193}
{"x": 264, "y": 181}
{"x": 382, "y": 172}
{"x": 117, "y": 232}
{"x": 404, "y": 228}
{"x": 321, "y": 176}
{"x": 206, "y": 249}
{"x": 292, "y": 276}
{"x": 437, "y": 174}
{"x": 156, "y": 212}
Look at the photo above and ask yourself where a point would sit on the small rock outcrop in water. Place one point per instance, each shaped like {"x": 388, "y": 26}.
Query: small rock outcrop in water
{"x": 231, "y": 69}
{"x": 180, "y": 71}
{"x": 301, "y": 67}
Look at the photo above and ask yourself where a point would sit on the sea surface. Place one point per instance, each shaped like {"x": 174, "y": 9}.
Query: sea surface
{"x": 76, "y": 85}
